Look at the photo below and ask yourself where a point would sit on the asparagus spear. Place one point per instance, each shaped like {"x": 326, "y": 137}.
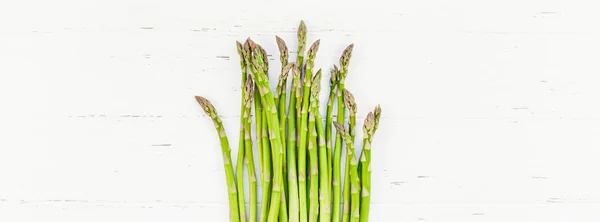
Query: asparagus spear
{"x": 312, "y": 148}
{"x": 240, "y": 158}
{"x": 281, "y": 97}
{"x": 351, "y": 105}
{"x": 259, "y": 65}
{"x": 294, "y": 209}
{"x": 344, "y": 62}
{"x": 368, "y": 131}
{"x": 324, "y": 179}
{"x": 312, "y": 52}
{"x": 328, "y": 126}
{"x": 266, "y": 183}
{"x": 248, "y": 97}
{"x": 354, "y": 178}
{"x": 210, "y": 110}
{"x": 280, "y": 93}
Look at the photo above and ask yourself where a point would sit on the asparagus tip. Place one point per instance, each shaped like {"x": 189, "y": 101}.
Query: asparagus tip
{"x": 349, "y": 101}
{"x": 312, "y": 51}
{"x": 339, "y": 127}
{"x": 205, "y": 104}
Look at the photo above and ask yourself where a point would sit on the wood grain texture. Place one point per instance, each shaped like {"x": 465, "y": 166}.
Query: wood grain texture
{"x": 490, "y": 109}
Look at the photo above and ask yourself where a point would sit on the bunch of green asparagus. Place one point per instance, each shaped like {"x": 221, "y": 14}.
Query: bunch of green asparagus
{"x": 299, "y": 164}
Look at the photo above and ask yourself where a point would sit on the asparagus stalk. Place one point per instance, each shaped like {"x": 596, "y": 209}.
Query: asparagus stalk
{"x": 328, "y": 126}
{"x": 312, "y": 148}
{"x": 281, "y": 97}
{"x": 210, "y": 110}
{"x": 312, "y": 52}
{"x": 280, "y": 94}
{"x": 266, "y": 183}
{"x": 240, "y": 158}
{"x": 354, "y": 177}
{"x": 294, "y": 209}
{"x": 267, "y": 98}
{"x": 344, "y": 62}
{"x": 351, "y": 105}
{"x": 368, "y": 131}
{"x": 324, "y": 179}
{"x": 249, "y": 96}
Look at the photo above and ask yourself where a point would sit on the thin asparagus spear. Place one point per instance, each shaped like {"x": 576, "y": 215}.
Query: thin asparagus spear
{"x": 301, "y": 44}
{"x": 312, "y": 148}
{"x": 291, "y": 147}
{"x": 351, "y": 105}
{"x": 328, "y": 126}
{"x": 266, "y": 186}
{"x": 368, "y": 131}
{"x": 303, "y": 133}
{"x": 249, "y": 96}
{"x": 325, "y": 181}
{"x": 210, "y": 110}
{"x": 280, "y": 95}
{"x": 344, "y": 62}
{"x": 259, "y": 66}
{"x": 354, "y": 177}
{"x": 240, "y": 158}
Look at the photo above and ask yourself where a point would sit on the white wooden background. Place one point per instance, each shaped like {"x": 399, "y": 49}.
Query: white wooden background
{"x": 490, "y": 108}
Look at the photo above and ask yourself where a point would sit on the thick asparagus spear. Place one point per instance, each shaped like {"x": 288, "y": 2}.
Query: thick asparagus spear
{"x": 248, "y": 97}
{"x": 354, "y": 177}
{"x": 260, "y": 77}
{"x": 312, "y": 148}
{"x": 294, "y": 209}
{"x": 210, "y": 110}
{"x": 344, "y": 62}
{"x": 312, "y": 52}
{"x": 351, "y": 105}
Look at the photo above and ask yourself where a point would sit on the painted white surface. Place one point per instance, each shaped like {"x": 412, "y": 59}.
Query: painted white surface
{"x": 490, "y": 109}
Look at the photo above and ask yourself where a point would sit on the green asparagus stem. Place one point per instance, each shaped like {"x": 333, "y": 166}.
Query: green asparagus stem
{"x": 260, "y": 77}
{"x": 294, "y": 208}
{"x": 368, "y": 131}
{"x": 280, "y": 95}
{"x": 325, "y": 181}
{"x": 312, "y": 52}
{"x": 354, "y": 177}
{"x": 249, "y": 96}
{"x": 312, "y": 148}
{"x": 210, "y": 110}
{"x": 351, "y": 105}
{"x": 301, "y": 44}
{"x": 328, "y": 125}
{"x": 266, "y": 186}
{"x": 240, "y": 158}
{"x": 344, "y": 62}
